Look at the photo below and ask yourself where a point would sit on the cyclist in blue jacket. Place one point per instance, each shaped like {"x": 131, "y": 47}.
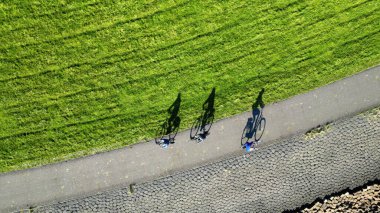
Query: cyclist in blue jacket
{"x": 248, "y": 146}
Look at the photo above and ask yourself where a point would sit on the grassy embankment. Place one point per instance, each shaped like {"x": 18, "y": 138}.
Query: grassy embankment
{"x": 79, "y": 77}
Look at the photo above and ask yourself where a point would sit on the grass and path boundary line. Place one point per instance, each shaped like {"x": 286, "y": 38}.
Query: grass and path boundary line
{"x": 147, "y": 161}
{"x": 83, "y": 77}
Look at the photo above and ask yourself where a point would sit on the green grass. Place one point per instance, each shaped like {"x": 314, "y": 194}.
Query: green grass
{"x": 80, "y": 77}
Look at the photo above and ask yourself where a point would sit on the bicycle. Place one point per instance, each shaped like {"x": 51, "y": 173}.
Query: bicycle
{"x": 166, "y": 130}
{"x": 202, "y": 126}
{"x": 253, "y": 129}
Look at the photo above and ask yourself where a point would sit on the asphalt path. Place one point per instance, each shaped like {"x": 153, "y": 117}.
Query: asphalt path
{"x": 147, "y": 161}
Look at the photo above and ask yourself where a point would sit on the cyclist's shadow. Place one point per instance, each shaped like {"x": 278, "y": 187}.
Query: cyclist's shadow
{"x": 202, "y": 125}
{"x": 256, "y": 124}
{"x": 169, "y": 129}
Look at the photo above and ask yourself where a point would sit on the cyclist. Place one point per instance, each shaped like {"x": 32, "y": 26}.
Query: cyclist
{"x": 201, "y": 137}
{"x": 165, "y": 143}
{"x": 248, "y": 146}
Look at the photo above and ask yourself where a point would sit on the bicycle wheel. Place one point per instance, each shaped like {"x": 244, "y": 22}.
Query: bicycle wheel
{"x": 208, "y": 123}
{"x": 259, "y": 130}
{"x": 244, "y": 137}
{"x": 195, "y": 128}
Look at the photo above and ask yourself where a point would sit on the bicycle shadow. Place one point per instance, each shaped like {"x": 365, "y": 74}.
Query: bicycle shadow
{"x": 174, "y": 120}
{"x": 169, "y": 129}
{"x": 202, "y": 125}
{"x": 255, "y": 126}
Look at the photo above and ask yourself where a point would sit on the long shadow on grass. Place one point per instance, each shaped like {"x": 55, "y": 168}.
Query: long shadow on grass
{"x": 255, "y": 126}
{"x": 202, "y": 125}
{"x": 169, "y": 129}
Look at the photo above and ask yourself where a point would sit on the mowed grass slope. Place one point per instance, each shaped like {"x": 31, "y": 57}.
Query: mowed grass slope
{"x": 80, "y": 77}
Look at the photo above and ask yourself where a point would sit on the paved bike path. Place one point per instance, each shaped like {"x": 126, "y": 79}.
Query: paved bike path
{"x": 147, "y": 161}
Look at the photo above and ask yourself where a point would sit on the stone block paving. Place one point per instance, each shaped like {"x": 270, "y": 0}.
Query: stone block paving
{"x": 283, "y": 176}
